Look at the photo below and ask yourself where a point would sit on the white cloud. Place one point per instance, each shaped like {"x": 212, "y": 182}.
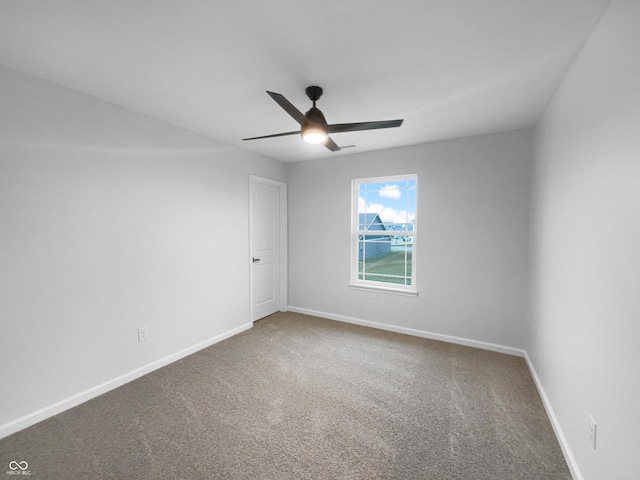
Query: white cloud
{"x": 391, "y": 215}
{"x": 369, "y": 207}
{"x": 390, "y": 191}
{"x": 387, "y": 214}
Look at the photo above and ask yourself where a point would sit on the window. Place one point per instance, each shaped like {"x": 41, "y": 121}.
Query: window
{"x": 383, "y": 233}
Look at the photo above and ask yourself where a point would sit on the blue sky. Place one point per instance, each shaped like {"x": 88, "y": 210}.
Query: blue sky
{"x": 395, "y": 202}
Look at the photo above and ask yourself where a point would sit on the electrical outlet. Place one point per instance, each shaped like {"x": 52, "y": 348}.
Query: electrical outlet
{"x": 143, "y": 334}
{"x": 374, "y": 298}
{"x": 593, "y": 431}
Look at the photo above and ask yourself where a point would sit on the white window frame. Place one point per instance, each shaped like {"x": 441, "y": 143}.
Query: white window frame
{"x": 370, "y": 285}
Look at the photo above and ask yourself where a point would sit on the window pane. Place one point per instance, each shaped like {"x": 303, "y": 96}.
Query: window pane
{"x": 382, "y": 260}
{"x": 385, "y": 229}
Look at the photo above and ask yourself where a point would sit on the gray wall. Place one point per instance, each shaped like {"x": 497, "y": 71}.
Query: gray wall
{"x": 585, "y": 290}
{"x": 110, "y": 220}
{"x": 472, "y": 250}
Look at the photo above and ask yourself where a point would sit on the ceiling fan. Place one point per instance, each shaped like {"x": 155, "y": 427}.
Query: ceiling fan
{"x": 314, "y": 127}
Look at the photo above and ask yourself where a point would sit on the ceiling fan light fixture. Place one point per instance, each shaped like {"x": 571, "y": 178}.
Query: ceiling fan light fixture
{"x": 314, "y": 133}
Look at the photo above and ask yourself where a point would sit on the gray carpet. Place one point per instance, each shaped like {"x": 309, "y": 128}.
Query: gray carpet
{"x": 299, "y": 397}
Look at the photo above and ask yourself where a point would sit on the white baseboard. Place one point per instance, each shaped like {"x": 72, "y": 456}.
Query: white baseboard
{"x": 414, "y": 332}
{"x": 59, "y": 407}
{"x": 562, "y": 440}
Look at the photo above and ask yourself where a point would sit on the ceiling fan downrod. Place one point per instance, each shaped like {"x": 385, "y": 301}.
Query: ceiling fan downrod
{"x": 314, "y": 93}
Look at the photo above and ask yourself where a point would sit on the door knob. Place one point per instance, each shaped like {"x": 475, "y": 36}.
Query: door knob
{"x": 254, "y": 259}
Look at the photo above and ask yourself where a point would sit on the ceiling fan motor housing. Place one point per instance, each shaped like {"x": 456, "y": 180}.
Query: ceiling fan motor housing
{"x": 314, "y": 115}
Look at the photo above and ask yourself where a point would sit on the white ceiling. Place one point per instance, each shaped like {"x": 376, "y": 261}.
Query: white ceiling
{"x": 450, "y": 68}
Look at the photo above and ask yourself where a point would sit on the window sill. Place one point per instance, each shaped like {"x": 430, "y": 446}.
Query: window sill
{"x": 375, "y": 288}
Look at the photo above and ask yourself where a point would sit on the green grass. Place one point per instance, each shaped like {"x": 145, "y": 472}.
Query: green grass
{"x": 390, "y": 263}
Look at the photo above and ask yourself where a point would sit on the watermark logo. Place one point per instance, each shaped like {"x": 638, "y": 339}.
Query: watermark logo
{"x": 18, "y": 468}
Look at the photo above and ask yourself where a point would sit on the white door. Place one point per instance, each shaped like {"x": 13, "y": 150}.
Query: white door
{"x": 266, "y": 237}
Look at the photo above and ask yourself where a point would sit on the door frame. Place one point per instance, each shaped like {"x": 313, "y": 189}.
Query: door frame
{"x": 284, "y": 282}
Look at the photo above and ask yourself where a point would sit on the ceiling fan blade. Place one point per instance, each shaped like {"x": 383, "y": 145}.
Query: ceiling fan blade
{"x": 331, "y": 145}
{"x": 297, "y": 132}
{"x": 288, "y": 107}
{"x": 353, "y": 127}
